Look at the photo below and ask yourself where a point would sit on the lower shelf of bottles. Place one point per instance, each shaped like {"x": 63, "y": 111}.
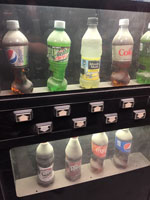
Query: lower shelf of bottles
{"x": 28, "y": 186}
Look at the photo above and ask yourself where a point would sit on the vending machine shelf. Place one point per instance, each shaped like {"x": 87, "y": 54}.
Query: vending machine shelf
{"x": 28, "y": 186}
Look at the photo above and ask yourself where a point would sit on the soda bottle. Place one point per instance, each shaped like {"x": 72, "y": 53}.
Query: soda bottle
{"x": 99, "y": 151}
{"x": 58, "y": 54}
{"x": 91, "y": 51}
{"x": 73, "y": 159}
{"x": 16, "y": 47}
{"x": 45, "y": 164}
{"x": 122, "y": 47}
{"x": 123, "y": 142}
{"x": 143, "y": 73}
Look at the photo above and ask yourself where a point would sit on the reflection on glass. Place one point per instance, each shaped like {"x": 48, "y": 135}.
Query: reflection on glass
{"x": 66, "y": 162}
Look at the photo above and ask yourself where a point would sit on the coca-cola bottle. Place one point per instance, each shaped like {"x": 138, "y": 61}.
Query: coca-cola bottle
{"x": 99, "y": 144}
{"x": 122, "y": 47}
{"x": 73, "y": 159}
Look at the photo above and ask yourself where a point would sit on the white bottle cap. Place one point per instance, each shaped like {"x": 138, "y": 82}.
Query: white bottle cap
{"x": 124, "y": 22}
{"x": 59, "y": 24}
{"x": 12, "y": 24}
{"x": 148, "y": 25}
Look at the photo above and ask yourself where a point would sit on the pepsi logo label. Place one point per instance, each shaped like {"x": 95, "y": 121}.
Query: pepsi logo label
{"x": 12, "y": 56}
{"x": 127, "y": 146}
{"x": 124, "y": 146}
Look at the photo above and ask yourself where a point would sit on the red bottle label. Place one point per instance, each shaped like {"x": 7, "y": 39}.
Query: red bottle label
{"x": 122, "y": 53}
{"x": 99, "y": 151}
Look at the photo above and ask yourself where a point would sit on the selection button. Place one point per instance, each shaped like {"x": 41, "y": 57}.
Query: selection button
{"x": 23, "y": 115}
{"x": 62, "y": 111}
{"x": 111, "y": 118}
{"x": 96, "y": 107}
{"x": 79, "y": 122}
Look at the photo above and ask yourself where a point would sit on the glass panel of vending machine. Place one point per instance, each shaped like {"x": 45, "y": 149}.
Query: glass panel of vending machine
{"x": 50, "y": 49}
{"x": 62, "y": 163}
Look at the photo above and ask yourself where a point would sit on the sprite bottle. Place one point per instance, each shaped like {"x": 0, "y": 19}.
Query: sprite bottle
{"x": 143, "y": 73}
{"x": 58, "y": 54}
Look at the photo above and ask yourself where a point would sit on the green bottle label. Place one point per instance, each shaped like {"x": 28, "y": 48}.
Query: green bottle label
{"x": 58, "y": 54}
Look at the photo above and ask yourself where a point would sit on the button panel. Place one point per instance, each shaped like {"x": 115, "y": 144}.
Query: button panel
{"x": 139, "y": 114}
{"x": 45, "y": 127}
{"x": 62, "y": 111}
{"x": 111, "y": 118}
{"x": 127, "y": 103}
{"x": 96, "y": 107}
{"x": 79, "y": 122}
{"x": 23, "y": 115}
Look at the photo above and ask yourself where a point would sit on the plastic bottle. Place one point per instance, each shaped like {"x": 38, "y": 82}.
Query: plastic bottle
{"x": 73, "y": 159}
{"x": 99, "y": 151}
{"x": 91, "y": 51}
{"x": 16, "y": 47}
{"x": 143, "y": 73}
{"x": 122, "y": 47}
{"x": 45, "y": 164}
{"x": 123, "y": 142}
{"x": 58, "y": 54}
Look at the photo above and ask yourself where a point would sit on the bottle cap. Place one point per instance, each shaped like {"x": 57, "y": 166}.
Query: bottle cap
{"x": 124, "y": 22}
{"x": 148, "y": 25}
{"x": 12, "y": 24}
{"x": 59, "y": 24}
{"x": 92, "y": 20}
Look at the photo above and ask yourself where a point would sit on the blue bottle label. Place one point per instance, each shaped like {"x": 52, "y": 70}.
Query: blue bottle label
{"x": 124, "y": 146}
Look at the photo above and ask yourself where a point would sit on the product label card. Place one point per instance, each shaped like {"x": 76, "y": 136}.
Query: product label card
{"x": 90, "y": 68}
{"x": 73, "y": 168}
{"x": 124, "y": 146}
{"x": 45, "y": 174}
{"x": 58, "y": 54}
{"x": 99, "y": 151}
{"x": 122, "y": 53}
{"x": 17, "y": 55}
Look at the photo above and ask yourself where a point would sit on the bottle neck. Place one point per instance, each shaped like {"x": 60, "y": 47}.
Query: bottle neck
{"x": 123, "y": 28}
{"x": 59, "y": 29}
{"x": 92, "y": 26}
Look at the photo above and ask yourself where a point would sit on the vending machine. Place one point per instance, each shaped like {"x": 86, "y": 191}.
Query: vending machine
{"x": 75, "y": 100}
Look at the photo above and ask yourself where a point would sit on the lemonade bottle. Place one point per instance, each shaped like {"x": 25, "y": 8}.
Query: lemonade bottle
{"x": 91, "y": 51}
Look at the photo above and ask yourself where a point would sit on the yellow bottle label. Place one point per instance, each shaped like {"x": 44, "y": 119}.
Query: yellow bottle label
{"x": 90, "y": 68}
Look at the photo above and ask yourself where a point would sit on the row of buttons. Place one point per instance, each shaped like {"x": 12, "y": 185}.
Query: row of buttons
{"x": 62, "y": 111}
{"x": 46, "y": 127}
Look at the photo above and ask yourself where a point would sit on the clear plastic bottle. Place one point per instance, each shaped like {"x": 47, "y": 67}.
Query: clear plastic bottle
{"x": 73, "y": 159}
{"x": 123, "y": 142}
{"x": 99, "y": 151}
{"x": 16, "y": 47}
{"x": 122, "y": 47}
{"x": 91, "y": 51}
{"x": 45, "y": 164}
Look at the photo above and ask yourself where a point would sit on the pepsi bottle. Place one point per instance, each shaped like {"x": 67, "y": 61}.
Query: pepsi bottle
{"x": 123, "y": 142}
{"x": 16, "y": 48}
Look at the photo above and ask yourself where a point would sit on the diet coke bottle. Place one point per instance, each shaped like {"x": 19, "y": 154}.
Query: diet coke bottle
{"x": 73, "y": 159}
{"x": 45, "y": 163}
{"x": 99, "y": 150}
{"x": 122, "y": 47}
{"x": 123, "y": 142}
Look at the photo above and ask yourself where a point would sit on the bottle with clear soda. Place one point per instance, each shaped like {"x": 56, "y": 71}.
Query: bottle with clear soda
{"x": 73, "y": 159}
{"x": 58, "y": 54}
{"x": 122, "y": 47}
{"x": 45, "y": 164}
{"x": 99, "y": 151}
{"x": 143, "y": 73}
{"x": 91, "y": 51}
{"x": 123, "y": 142}
{"x": 15, "y": 45}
